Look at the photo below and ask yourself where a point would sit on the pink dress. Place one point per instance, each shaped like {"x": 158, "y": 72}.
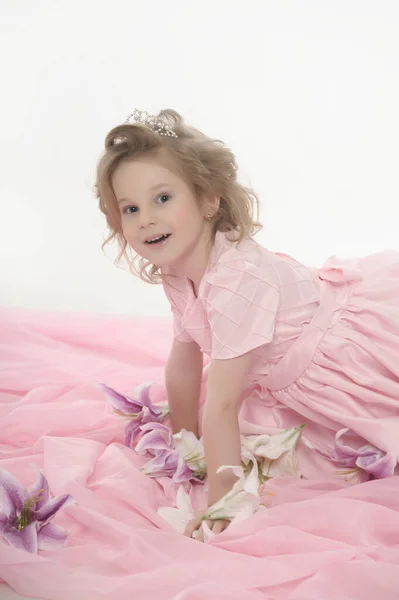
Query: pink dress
{"x": 324, "y": 345}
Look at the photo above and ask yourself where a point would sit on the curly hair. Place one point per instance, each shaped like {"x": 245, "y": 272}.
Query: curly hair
{"x": 205, "y": 164}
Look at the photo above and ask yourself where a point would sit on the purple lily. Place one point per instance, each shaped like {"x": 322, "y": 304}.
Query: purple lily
{"x": 138, "y": 410}
{"x": 369, "y": 458}
{"x": 157, "y": 440}
{"x": 25, "y": 515}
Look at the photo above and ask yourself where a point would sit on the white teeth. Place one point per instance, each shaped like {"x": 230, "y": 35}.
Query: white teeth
{"x": 158, "y": 237}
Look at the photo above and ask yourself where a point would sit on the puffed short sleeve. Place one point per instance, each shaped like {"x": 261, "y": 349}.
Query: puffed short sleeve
{"x": 241, "y": 300}
{"x": 175, "y": 293}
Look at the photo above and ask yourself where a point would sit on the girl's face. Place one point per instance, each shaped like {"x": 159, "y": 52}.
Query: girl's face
{"x": 161, "y": 218}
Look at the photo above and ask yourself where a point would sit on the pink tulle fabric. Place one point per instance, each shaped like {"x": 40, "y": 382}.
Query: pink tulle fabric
{"x": 325, "y": 538}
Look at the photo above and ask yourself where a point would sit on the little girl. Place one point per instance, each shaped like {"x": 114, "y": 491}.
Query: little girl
{"x": 321, "y": 343}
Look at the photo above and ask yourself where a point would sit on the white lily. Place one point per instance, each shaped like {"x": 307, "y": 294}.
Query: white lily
{"x": 183, "y": 513}
{"x": 178, "y": 516}
{"x": 191, "y": 450}
{"x": 275, "y": 453}
{"x": 243, "y": 499}
{"x": 263, "y": 457}
{"x": 239, "y": 503}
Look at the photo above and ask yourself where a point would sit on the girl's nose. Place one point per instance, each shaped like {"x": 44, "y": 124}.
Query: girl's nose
{"x": 145, "y": 218}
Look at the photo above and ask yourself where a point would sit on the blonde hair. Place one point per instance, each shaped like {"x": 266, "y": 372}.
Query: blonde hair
{"x": 205, "y": 164}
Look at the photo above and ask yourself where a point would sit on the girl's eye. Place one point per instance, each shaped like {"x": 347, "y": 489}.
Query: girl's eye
{"x": 130, "y": 210}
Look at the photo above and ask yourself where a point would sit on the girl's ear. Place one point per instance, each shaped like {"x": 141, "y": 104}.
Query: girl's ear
{"x": 211, "y": 205}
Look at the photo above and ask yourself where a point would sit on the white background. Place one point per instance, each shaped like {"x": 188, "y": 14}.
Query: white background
{"x": 305, "y": 92}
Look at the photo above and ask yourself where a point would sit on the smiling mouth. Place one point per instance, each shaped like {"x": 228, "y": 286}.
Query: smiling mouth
{"x": 162, "y": 238}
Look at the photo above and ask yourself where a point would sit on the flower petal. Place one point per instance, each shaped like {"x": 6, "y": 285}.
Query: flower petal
{"x": 147, "y": 415}
{"x": 284, "y": 466}
{"x": 142, "y": 393}
{"x": 3, "y": 522}
{"x": 152, "y": 443}
{"x": 51, "y": 537}
{"x": 191, "y": 450}
{"x": 379, "y": 465}
{"x": 161, "y": 465}
{"x": 51, "y": 508}
{"x": 13, "y": 494}
{"x": 146, "y": 427}
{"x": 40, "y": 489}
{"x": 183, "y": 501}
{"x": 183, "y": 513}
{"x": 230, "y": 507}
{"x": 273, "y": 446}
{"x": 22, "y": 540}
{"x": 178, "y": 519}
{"x": 183, "y": 472}
{"x": 242, "y": 499}
{"x": 120, "y": 402}
{"x": 131, "y": 432}
{"x": 207, "y": 532}
{"x": 251, "y": 482}
{"x": 235, "y": 469}
{"x": 155, "y": 438}
{"x": 349, "y": 452}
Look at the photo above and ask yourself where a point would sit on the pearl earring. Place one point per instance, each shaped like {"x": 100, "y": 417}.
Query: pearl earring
{"x": 209, "y": 217}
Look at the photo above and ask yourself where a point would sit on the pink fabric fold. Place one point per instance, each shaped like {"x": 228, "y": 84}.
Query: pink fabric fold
{"x": 325, "y": 538}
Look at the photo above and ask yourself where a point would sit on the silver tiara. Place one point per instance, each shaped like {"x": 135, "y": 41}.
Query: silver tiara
{"x": 155, "y": 122}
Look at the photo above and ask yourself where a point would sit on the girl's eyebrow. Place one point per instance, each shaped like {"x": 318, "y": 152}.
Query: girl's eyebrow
{"x": 152, "y": 189}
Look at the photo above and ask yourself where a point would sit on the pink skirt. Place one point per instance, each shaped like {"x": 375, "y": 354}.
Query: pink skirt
{"x": 343, "y": 371}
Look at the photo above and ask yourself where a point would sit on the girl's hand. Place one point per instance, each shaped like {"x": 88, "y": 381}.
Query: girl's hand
{"x": 196, "y": 525}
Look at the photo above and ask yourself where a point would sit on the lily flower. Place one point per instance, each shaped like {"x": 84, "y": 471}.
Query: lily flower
{"x": 369, "y": 458}
{"x": 138, "y": 410}
{"x": 275, "y": 453}
{"x": 25, "y": 515}
{"x": 192, "y": 451}
{"x": 157, "y": 440}
{"x": 243, "y": 499}
{"x": 178, "y": 516}
{"x": 239, "y": 503}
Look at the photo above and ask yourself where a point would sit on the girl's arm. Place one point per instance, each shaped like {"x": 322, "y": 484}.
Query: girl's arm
{"x": 183, "y": 376}
{"x": 226, "y": 381}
